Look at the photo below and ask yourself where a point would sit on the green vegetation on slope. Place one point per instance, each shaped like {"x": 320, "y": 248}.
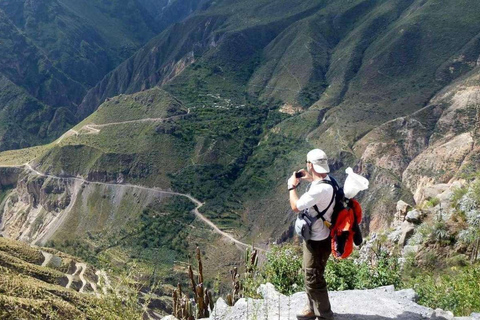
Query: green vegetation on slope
{"x": 452, "y": 289}
{"x": 455, "y": 290}
{"x": 36, "y": 99}
{"x": 347, "y": 65}
{"x": 30, "y": 291}
{"x": 201, "y": 153}
{"x": 53, "y": 51}
{"x": 161, "y": 228}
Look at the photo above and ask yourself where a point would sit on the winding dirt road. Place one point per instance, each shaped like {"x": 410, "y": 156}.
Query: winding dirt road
{"x": 95, "y": 128}
{"x": 80, "y": 269}
{"x": 196, "y": 211}
{"x": 48, "y": 257}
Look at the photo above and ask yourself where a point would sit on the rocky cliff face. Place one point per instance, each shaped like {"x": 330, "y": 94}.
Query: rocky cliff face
{"x": 43, "y": 208}
{"x": 454, "y": 144}
{"x": 36, "y": 207}
{"x": 434, "y": 146}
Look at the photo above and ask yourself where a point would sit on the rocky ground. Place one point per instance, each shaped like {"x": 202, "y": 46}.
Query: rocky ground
{"x": 377, "y": 304}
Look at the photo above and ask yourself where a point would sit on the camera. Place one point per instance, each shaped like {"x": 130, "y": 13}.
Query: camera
{"x": 299, "y": 174}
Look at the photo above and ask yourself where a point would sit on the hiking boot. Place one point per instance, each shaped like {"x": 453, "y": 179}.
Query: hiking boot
{"x": 306, "y": 314}
{"x": 329, "y": 317}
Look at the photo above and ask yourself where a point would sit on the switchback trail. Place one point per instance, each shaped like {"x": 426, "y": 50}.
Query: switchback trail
{"x": 198, "y": 204}
{"x": 95, "y": 128}
{"x": 80, "y": 269}
{"x": 67, "y": 134}
{"x": 48, "y": 258}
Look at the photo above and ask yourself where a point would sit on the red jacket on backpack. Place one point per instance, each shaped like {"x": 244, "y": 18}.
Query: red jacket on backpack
{"x": 343, "y": 230}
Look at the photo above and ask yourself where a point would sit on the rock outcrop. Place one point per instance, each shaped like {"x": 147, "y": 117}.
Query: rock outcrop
{"x": 377, "y": 304}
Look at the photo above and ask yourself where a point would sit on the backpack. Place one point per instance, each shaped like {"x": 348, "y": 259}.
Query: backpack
{"x": 344, "y": 228}
{"x": 304, "y": 222}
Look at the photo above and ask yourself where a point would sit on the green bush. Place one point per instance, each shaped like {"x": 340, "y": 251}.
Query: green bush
{"x": 386, "y": 271}
{"x": 348, "y": 274}
{"x": 283, "y": 268}
{"x": 340, "y": 274}
{"x": 457, "y": 291}
{"x": 431, "y": 202}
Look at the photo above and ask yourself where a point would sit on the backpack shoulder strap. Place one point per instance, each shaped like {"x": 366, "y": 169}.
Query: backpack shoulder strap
{"x": 321, "y": 214}
{"x": 331, "y": 182}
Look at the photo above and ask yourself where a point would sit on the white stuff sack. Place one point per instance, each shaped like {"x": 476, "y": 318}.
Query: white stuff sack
{"x": 354, "y": 184}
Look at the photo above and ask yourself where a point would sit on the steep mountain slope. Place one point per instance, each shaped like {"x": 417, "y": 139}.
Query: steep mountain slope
{"x": 228, "y": 34}
{"x": 34, "y": 93}
{"x": 42, "y": 283}
{"x": 86, "y": 39}
{"x": 53, "y": 51}
{"x": 224, "y": 106}
{"x": 129, "y": 211}
{"x": 340, "y": 68}
{"x": 432, "y": 147}
{"x": 349, "y": 48}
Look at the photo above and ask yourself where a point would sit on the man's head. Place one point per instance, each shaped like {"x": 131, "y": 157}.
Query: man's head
{"x": 317, "y": 160}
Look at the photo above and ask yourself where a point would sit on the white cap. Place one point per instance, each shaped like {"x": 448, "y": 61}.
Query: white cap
{"x": 319, "y": 160}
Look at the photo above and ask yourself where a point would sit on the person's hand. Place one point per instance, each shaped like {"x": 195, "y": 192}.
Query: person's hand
{"x": 293, "y": 181}
{"x": 305, "y": 175}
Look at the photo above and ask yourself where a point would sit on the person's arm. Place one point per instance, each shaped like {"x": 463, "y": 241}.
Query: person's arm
{"x": 293, "y": 200}
{"x": 293, "y": 183}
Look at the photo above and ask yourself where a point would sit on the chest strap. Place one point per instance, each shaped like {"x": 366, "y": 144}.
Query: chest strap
{"x": 322, "y": 213}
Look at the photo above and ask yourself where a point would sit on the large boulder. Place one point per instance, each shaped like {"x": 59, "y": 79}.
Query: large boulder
{"x": 440, "y": 314}
{"x": 408, "y": 230}
{"x": 401, "y": 212}
{"x": 414, "y": 216}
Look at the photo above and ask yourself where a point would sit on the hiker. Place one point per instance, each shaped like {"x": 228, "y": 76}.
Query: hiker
{"x": 316, "y": 251}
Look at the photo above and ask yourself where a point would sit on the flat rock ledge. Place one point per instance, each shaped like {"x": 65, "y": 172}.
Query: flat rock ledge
{"x": 376, "y": 304}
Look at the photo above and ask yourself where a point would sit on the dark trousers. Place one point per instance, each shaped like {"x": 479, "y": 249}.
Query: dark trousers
{"x": 315, "y": 257}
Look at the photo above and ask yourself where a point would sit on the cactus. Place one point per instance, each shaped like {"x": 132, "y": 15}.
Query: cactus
{"x": 229, "y": 300}
{"x": 250, "y": 278}
{"x": 182, "y": 307}
{"x": 201, "y": 295}
{"x": 251, "y": 260}
{"x": 210, "y": 300}
{"x": 175, "y": 303}
{"x": 200, "y": 266}
{"x": 234, "y": 296}
{"x": 192, "y": 280}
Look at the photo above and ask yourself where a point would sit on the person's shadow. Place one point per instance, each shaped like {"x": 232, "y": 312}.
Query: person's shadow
{"x": 403, "y": 316}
